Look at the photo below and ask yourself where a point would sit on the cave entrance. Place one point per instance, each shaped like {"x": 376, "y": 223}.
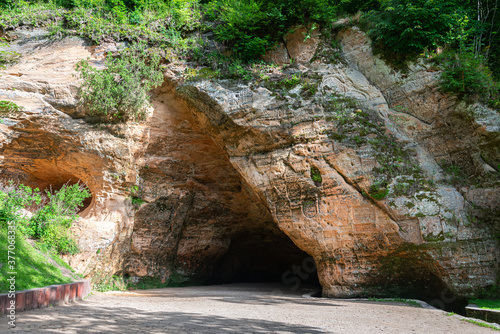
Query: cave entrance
{"x": 265, "y": 256}
{"x": 51, "y": 178}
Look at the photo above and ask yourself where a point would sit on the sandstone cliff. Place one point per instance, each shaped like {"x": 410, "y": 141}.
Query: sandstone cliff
{"x": 389, "y": 185}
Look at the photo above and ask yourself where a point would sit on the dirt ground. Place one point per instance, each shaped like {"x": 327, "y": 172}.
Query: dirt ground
{"x": 234, "y": 308}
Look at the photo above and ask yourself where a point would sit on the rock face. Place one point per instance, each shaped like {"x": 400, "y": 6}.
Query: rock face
{"x": 357, "y": 166}
{"x": 45, "y": 147}
{"x": 201, "y": 220}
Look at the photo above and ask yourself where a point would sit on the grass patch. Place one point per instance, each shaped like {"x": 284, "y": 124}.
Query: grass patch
{"x": 487, "y": 304}
{"x": 33, "y": 267}
{"x": 316, "y": 175}
{"x": 120, "y": 283}
{"x": 475, "y": 322}
{"x": 397, "y": 300}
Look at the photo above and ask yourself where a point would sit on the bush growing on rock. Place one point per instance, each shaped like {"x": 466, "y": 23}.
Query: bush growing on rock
{"x": 51, "y": 223}
{"x": 119, "y": 92}
{"x": 251, "y": 27}
{"x": 468, "y": 76}
{"x": 402, "y": 29}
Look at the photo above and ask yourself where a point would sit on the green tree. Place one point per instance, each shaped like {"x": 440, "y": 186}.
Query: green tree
{"x": 402, "y": 29}
{"x": 252, "y": 26}
{"x": 119, "y": 92}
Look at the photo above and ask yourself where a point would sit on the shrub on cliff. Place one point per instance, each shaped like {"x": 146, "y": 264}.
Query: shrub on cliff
{"x": 119, "y": 92}
{"x": 51, "y": 223}
{"x": 468, "y": 76}
{"x": 402, "y": 29}
{"x": 250, "y": 27}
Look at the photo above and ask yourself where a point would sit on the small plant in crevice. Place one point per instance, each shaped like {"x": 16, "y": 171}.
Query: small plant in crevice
{"x": 316, "y": 176}
{"x": 379, "y": 190}
{"x": 359, "y": 128}
{"x": 137, "y": 201}
{"x": 454, "y": 174}
{"x": 9, "y": 107}
{"x": 286, "y": 83}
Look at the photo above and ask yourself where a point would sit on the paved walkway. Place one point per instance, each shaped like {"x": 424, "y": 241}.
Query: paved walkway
{"x": 235, "y": 308}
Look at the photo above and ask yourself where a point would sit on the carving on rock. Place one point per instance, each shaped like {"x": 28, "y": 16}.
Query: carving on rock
{"x": 360, "y": 245}
{"x": 278, "y": 55}
{"x": 302, "y": 42}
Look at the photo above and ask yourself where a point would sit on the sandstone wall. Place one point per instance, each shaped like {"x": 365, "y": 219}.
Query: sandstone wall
{"x": 236, "y": 178}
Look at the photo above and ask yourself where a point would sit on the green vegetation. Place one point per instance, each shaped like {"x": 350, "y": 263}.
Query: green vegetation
{"x": 33, "y": 267}
{"x": 137, "y": 201}
{"x": 120, "y": 283}
{"x": 50, "y": 224}
{"x": 6, "y": 57}
{"x": 489, "y": 304}
{"x": 397, "y": 174}
{"x": 468, "y": 76}
{"x": 397, "y": 300}
{"x": 250, "y": 27}
{"x": 9, "y": 107}
{"x": 115, "y": 283}
{"x": 482, "y": 324}
{"x": 379, "y": 190}
{"x": 120, "y": 91}
{"x": 468, "y": 32}
{"x": 104, "y": 20}
{"x": 316, "y": 175}
{"x": 402, "y": 30}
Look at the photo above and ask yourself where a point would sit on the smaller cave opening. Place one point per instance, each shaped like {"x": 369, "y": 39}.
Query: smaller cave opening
{"x": 413, "y": 275}
{"x": 258, "y": 257}
{"x": 55, "y": 187}
{"x": 50, "y": 178}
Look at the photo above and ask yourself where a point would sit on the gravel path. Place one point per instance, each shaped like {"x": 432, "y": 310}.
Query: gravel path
{"x": 235, "y": 308}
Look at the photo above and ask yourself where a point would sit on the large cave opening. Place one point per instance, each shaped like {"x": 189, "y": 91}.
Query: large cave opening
{"x": 265, "y": 256}
{"x": 203, "y": 223}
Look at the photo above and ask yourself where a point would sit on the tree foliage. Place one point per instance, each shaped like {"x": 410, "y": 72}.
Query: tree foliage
{"x": 403, "y": 29}
{"x": 119, "y": 92}
{"x": 252, "y": 26}
{"x": 51, "y": 222}
{"x": 468, "y": 76}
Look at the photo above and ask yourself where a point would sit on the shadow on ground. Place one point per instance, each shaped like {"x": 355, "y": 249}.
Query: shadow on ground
{"x": 130, "y": 320}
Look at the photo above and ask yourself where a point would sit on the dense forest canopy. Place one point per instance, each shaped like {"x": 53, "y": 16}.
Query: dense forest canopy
{"x": 460, "y": 36}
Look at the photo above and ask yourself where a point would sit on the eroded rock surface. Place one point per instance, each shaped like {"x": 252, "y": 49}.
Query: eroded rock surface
{"x": 44, "y": 147}
{"x": 419, "y": 232}
{"x": 231, "y": 181}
